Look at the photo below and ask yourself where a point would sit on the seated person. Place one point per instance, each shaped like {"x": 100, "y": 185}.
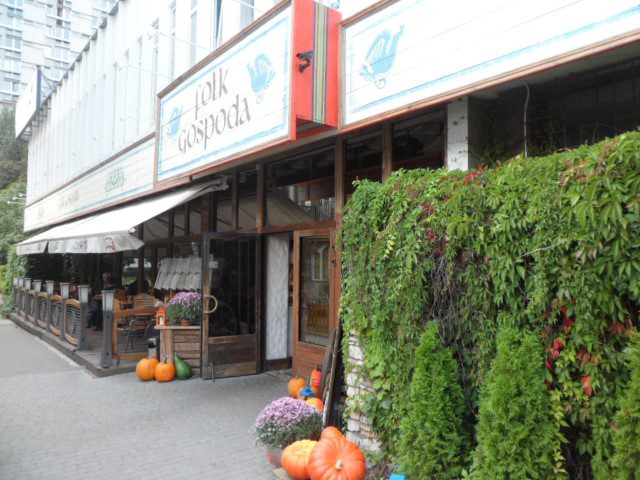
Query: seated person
{"x": 94, "y": 318}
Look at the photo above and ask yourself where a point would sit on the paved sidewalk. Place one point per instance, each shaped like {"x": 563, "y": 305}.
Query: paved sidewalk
{"x": 59, "y": 422}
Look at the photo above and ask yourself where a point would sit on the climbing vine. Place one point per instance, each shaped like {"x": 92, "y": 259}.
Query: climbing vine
{"x": 549, "y": 244}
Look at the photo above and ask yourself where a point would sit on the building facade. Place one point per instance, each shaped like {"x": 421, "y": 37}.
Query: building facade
{"x": 43, "y": 33}
{"x": 231, "y": 132}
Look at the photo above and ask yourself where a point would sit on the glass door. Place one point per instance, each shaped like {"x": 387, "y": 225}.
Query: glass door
{"x": 314, "y": 309}
{"x": 232, "y": 305}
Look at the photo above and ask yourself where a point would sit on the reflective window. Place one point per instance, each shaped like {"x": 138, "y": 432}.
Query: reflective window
{"x": 195, "y": 216}
{"x": 314, "y": 290}
{"x": 363, "y": 159}
{"x": 157, "y": 227}
{"x": 179, "y": 221}
{"x": 419, "y": 142}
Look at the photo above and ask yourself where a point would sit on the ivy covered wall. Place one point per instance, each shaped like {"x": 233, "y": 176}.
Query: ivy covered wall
{"x": 546, "y": 245}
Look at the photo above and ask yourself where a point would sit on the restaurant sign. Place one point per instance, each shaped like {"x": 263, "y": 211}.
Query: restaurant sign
{"x": 126, "y": 176}
{"x": 237, "y": 102}
{"x": 418, "y": 52}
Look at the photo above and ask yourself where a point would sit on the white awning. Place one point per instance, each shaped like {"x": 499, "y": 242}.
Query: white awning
{"x": 110, "y": 231}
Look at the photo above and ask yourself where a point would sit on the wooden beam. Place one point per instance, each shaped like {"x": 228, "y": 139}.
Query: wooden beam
{"x": 339, "y": 179}
{"x": 387, "y": 150}
{"x": 261, "y": 203}
{"x": 234, "y": 201}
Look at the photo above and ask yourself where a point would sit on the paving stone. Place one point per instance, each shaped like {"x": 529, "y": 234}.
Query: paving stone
{"x": 58, "y": 422}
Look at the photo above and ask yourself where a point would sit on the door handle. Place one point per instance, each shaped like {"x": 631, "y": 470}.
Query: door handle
{"x": 215, "y": 300}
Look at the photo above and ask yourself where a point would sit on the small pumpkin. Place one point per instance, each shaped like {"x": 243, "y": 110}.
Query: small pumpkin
{"x": 337, "y": 459}
{"x": 295, "y": 385}
{"x": 146, "y": 369}
{"x": 331, "y": 432}
{"x": 315, "y": 402}
{"x": 165, "y": 371}
{"x": 296, "y": 457}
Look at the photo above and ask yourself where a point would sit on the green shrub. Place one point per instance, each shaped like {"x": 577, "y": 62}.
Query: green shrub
{"x": 626, "y": 437}
{"x": 15, "y": 267}
{"x": 3, "y": 279}
{"x": 433, "y": 442}
{"x": 516, "y": 434}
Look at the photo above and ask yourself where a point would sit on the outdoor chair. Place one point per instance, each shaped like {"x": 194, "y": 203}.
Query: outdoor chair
{"x": 132, "y": 322}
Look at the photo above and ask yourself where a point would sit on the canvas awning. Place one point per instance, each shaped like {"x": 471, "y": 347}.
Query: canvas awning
{"x": 110, "y": 231}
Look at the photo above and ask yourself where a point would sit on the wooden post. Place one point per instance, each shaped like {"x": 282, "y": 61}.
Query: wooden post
{"x": 387, "y": 150}
{"x": 260, "y": 198}
{"x": 234, "y": 201}
{"x": 339, "y": 179}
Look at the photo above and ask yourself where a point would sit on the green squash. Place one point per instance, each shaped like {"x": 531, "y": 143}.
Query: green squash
{"x": 183, "y": 369}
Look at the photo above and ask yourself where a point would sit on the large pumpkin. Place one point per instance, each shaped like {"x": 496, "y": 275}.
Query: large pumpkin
{"x": 331, "y": 432}
{"x": 295, "y": 385}
{"x": 296, "y": 457}
{"x": 146, "y": 369}
{"x": 337, "y": 459}
{"x": 165, "y": 371}
{"x": 315, "y": 402}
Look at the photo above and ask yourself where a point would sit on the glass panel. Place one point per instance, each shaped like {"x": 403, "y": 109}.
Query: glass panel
{"x": 178, "y": 221}
{"x": 130, "y": 272}
{"x": 195, "y": 216}
{"x": 232, "y": 274}
{"x": 301, "y": 190}
{"x": 363, "y": 159}
{"x": 419, "y": 142}
{"x": 157, "y": 227}
{"x": 247, "y": 184}
{"x": 223, "y": 215}
{"x": 314, "y": 290}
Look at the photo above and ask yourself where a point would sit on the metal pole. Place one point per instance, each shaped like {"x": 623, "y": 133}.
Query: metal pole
{"x": 83, "y": 294}
{"x": 106, "y": 357}
{"x": 64, "y": 293}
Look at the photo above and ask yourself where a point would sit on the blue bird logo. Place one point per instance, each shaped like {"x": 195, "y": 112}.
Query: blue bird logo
{"x": 174, "y": 122}
{"x": 261, "y": 73}
{"x": 381, "y": 57}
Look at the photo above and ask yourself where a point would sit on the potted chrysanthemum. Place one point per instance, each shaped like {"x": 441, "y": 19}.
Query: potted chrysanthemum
{"x": 284, "y": 421}
{"x": 185, "y": 309}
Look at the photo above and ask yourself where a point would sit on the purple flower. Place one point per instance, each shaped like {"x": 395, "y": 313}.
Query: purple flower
{"x": 287, "y": 420}
{"x": 284, "y": 411}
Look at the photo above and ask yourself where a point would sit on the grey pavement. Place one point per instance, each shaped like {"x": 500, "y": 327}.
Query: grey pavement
{"x": 59, "y": 422}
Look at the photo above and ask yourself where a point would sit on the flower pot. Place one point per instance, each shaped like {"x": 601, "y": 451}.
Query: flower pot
{"x": 274, "y": 455}
{"x": 185, "y": 323}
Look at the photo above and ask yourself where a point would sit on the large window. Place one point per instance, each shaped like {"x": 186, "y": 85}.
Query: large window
{"x": 363, "y": 159}
{"x": 301, "y": 190}
{"x": 314, "y": 290}
{"x": 419, "y": 142}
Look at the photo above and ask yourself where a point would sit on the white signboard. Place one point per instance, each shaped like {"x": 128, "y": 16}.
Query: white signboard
{"x": 414, "y": 50}
{"x": 28, "y": 103}
{"x": 237, "y": 102}
{"x": 128, "y": 175}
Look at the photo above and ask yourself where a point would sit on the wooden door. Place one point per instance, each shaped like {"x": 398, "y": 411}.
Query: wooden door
{"x": 232, "y": 318}
{"x": 314, "y": 299}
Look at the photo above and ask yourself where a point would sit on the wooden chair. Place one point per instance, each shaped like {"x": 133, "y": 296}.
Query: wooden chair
{"x": 131, "y": 322}
{"x": 144, "y": 300}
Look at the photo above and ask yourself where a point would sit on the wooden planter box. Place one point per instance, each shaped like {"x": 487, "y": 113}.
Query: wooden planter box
{"x": 185, "y": 341}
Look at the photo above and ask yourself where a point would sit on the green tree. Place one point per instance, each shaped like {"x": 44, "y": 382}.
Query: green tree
{"x": 516, "y": 431}
{"x": 626, "y": 438}
{"x": 11, "y": 215}
{"x": 433, "y": 441}
{"x": 13, "y": 152}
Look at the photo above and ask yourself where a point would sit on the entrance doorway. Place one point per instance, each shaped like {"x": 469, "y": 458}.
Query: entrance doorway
{"x": 314, "y": 299}
{"x": 232, "y": 319}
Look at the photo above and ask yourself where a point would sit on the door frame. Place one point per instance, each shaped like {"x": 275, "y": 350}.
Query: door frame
{"x": 302, "y": 350}
{"x": 205, "y": 354}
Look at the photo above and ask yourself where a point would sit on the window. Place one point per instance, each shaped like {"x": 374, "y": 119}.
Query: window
{"x": 156, "y": 228}
{"x": 314, "y": 290}
{"x": 301, "y": 190}
{"x": 419, "y": 142}
{"x": 172, "y": 33}
{"x": 195, "y": 216}
{"x": 363, "y": 159}
{"x": 247, "y": 196}
{"x": 179, "y": 221}
{"x": 193, "y": 33}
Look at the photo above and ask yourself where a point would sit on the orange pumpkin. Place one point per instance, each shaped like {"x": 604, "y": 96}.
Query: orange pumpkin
{"x": 295, "y": 385}
{"x": 315, "y": 391}
{"x": 337, "y": 459}
{"x": 331, "y": 432}
{"x": 315, "y": 402}
{"x": 295, "y": 458}
{"x": 146, "y": 368}
{"x": 165, "y": 371}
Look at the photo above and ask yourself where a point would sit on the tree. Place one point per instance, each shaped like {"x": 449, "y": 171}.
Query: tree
{"x": 626, "y": 438}
{"x": 13, "y": 152}
{"x": 433, "y": 442}
{"x": 516, "y": 430}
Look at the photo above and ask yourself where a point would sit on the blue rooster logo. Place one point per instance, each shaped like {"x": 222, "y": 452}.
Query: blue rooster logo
{"x": 174, "y": 122}
{"x": 261, "y": 73}
{"x": 381, "y": 57}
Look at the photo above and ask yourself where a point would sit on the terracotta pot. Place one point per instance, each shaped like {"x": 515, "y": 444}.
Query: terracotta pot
{"x": 185, "y": 323}
{"x": 274, "y": 455}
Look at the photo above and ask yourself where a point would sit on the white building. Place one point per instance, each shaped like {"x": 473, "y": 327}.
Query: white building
{"x": 43, "y": 33}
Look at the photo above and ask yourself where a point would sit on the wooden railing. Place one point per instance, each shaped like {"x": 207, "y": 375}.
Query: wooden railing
{"x": 56, "y": 314}
{"x": 72, "y": 319}
{"x": 42, "y": 309}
